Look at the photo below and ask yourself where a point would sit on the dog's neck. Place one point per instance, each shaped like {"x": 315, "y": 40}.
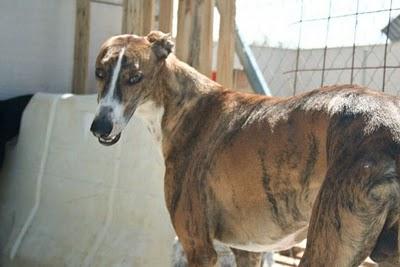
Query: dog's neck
{"x": 176, "y": 87}
{"x": 186, "y": 81}
{"x": 175, "y": 83}
{"x": 183, "y": 86}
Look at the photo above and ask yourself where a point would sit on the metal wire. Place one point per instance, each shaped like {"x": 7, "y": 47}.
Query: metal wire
{"x": 344, "y": 68}
{"x": 326, "y": 43}
{"x": 303, "y": 58}
{"x": 386, "y": 46}
{"x": 348, "y": 15}
{"x": 298, "y": 49}
{"x": 354, "y": 44}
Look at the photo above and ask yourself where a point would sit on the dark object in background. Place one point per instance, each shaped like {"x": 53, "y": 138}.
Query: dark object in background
{"x": 10, "y": 118}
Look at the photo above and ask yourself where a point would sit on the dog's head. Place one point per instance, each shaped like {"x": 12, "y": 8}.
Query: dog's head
{"x": 126, "y": 73}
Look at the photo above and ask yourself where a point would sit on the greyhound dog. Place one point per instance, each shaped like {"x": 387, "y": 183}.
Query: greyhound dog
{"x": 259, "y": 173}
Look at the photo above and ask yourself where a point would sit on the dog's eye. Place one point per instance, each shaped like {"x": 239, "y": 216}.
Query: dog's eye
{"x": 99, "y": 73}
{"x": 135, "y": 78}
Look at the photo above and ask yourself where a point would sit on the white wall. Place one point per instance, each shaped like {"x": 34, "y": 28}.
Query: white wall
{"x": 36, "y": 36}
{"x": 37, "y": 43}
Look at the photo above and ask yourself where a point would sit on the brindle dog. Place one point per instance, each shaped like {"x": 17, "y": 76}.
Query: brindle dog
{"x": 255, "y": 172}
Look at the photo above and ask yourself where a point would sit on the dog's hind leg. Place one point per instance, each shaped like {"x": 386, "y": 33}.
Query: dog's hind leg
{"x": 355, "y": 203}
{"x": 386, "y": 250}
{"x": 247, "y": 259}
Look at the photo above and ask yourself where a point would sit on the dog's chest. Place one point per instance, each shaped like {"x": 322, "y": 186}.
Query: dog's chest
{"x": 152, "y": 115}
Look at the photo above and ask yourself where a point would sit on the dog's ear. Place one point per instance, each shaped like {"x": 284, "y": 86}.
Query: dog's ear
{"x": 161, "y": 43}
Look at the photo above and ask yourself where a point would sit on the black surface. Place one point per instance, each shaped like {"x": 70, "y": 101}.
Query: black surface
{"x": 10, "y": 118}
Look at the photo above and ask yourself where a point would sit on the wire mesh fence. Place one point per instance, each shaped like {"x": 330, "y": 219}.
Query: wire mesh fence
{"x": 352, "y": 45}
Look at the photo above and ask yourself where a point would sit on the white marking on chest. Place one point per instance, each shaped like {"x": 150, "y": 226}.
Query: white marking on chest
{"x": 286, "y": 242}
{"x": 152, "y": 115}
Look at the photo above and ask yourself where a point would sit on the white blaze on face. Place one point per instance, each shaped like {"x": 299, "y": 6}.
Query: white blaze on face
{"x": 110, "y": 102}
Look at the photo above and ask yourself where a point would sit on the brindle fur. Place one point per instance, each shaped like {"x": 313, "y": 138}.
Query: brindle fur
{"x": 256, "y": 172}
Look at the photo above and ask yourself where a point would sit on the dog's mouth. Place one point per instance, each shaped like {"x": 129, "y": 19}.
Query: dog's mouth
{"x": 109, "y": 140}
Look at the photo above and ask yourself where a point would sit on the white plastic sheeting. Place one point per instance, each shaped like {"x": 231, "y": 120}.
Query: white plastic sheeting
{"x": 66, "y": 200}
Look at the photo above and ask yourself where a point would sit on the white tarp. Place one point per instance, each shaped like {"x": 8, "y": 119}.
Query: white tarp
{"x": 89, "y": 205}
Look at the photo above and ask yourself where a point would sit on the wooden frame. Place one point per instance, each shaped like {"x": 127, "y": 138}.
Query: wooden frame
{"x": 226, "y": 43}
{"x": 166, "y": 15}
{"x": 81, "y": 47}
{"x": 138, "y": 16}
{"x": 194, "y": 42}
{"x": 194, "y": 37}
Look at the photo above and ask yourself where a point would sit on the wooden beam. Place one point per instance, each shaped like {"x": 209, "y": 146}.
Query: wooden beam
{"x": 132, "y": 17}
{"x": 226, "y": 43}
{"x": 185, "y": 13}
{"x": 137, "y": 16}
{"x": 194, "y": 37}
{"x": 148, "y": 16}
{"x": 166, "y": 15}
{"x": 81, "y": 47}
{"x": 125, "y": 14}
{"x": 206, "y": 15}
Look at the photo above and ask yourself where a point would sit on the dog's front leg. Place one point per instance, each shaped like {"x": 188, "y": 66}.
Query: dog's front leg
{"x": 192, "y": 230}
{"x": 188, "y": 211}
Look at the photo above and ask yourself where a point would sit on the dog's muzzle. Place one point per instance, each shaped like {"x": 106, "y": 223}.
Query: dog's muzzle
{"x": 110, "y": 140}
{"x": 102, "y": 127}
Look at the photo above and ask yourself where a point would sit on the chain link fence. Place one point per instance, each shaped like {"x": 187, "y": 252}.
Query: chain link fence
{"x": 350, "y": 47}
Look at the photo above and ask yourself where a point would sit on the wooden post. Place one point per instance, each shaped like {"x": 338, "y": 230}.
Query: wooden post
{"x": 138, "y": 16}
{"x": 166, "y": 15}
{"x": 125, "y": 14}
{"x": 81, "y": 48}
{"x": 185, "y": 13}
{"x": 226, "y": 43}
{"x": 131, "y": 17}
{"x": 206, "y": 15}
{"x": 148, "y": 16}
{"x": 194, "y": 38}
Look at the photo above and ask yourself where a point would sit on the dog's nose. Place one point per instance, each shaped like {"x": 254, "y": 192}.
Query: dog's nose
{"x": 101, "y": 126}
